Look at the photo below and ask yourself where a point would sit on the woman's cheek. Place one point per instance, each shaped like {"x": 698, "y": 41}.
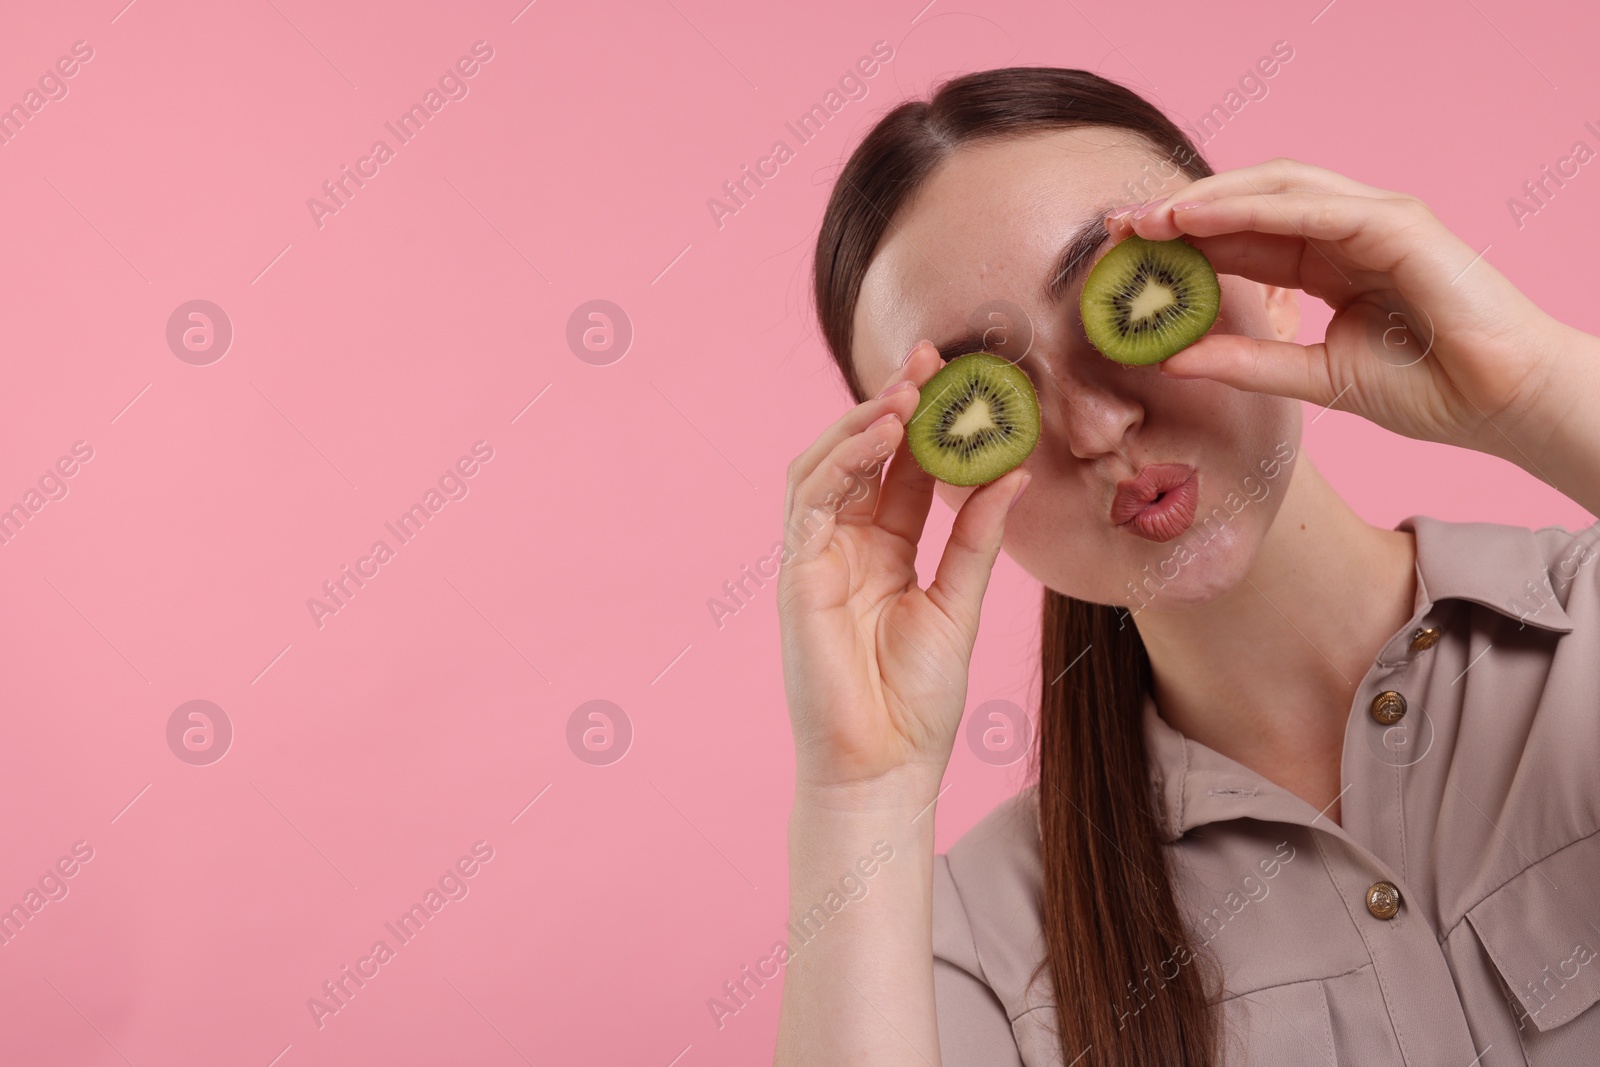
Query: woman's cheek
{"x": 1242, "y": 310}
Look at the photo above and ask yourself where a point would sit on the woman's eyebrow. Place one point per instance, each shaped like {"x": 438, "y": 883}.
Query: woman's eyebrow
{"x": 1075, "y": 257}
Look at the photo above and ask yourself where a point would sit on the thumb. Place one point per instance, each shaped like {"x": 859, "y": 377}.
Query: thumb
{"x": 1257, "y": 365}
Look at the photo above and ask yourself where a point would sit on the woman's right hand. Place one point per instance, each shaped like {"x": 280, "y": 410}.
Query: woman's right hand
{"x": 875, "y": 667}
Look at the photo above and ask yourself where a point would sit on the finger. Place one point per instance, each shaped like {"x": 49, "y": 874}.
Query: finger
{"x": 907, "y": 491}
{"x": 1258, "y": 365}
{"x": 833, "y": 487}
{"x": 1287, "y": 261}
{"x": 852, "y": 422}
{"x": 903, "y": 402}
{"x": 1281, "y": 175}
{"x": 1154, "y": 218}
{"x": 861, "y": 488}
{"x": 963, "y": 575}
{"x": 1367, "y": 226}
{"x": 906, "y": 496}
{"x": 1156, "y": 222}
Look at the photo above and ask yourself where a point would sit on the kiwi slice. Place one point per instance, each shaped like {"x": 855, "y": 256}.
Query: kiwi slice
{"x": 977, "y": 418}
{"x": 1146, "y": 300}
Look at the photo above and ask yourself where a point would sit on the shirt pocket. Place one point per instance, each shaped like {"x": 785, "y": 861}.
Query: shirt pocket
{"x": 1278, "y": 1025}
{"x": 1542, "y": 930}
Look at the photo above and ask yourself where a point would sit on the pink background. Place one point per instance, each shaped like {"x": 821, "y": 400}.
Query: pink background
{"x": 370, "y": 353}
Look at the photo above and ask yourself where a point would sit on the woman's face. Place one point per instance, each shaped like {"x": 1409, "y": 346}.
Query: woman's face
{"x": 973, "y": 251}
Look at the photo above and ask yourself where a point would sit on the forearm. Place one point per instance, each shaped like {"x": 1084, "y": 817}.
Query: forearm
{"x": 858, "y": 986}
{"x": 1562, "y": 444}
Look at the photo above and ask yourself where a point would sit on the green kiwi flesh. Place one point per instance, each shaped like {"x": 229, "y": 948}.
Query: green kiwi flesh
{"x": 1147, "y": 300}
{"x": 977, "y": 418}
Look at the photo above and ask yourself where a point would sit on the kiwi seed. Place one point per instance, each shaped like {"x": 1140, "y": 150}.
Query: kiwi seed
{"x": 977, "y": 418}
{"x": 1146, "y": 300}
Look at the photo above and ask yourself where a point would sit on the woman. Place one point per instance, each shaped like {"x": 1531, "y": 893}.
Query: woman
{"x": 1308, "y": 790}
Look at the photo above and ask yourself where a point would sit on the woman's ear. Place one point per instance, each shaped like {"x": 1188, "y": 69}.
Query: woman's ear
{"x": 1283, "y": 310}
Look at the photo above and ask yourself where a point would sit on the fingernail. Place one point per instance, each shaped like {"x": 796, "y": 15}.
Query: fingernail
{"x": 881, "y": 419}
{"x": 1149, "y": 207}
{"x": 1118, "y": 212}
{"x": 895, "y": 387}
{"x": 1026, "y": 478}
{"x": 1187, "y": 204}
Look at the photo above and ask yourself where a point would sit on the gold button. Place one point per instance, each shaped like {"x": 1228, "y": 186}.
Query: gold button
{"x": 1388, "y": 707}
{"x": 1424, "y": 638}
{"x": 1383, "y": 900}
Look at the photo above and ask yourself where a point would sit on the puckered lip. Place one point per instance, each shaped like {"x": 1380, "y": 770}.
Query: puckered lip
{"x": 1133, "y": 494}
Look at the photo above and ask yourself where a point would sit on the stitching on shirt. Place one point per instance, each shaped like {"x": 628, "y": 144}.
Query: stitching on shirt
{"x": 1031, "y": 806}
{"x": 1327, "y": 1017}
{"x": 1383, "y": 986}
{"x": 966, "y": 924}
{"x": 1400, "y": 803}
{"x": 1322, "y": 996}
{"x": 1232, "y": 791}
{"x": 1513, "y": 878}
{"x": 1183, "y": 788}
{"x": 1297, "y": 981}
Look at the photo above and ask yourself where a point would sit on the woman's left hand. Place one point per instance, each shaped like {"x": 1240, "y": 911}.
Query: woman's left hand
{"x": 1427, "y": 339}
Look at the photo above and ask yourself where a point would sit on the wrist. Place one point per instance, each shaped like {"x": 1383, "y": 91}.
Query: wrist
{"x": 907, "y": 790}
{"x": 1554, "y": 439}
{"x": 832, "y": 829}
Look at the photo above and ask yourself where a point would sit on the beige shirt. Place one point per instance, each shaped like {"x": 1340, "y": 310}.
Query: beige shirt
{"x": 1479, "y": 804}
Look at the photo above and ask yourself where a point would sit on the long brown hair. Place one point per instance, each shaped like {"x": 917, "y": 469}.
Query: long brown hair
{"x": 1110, "y": 920}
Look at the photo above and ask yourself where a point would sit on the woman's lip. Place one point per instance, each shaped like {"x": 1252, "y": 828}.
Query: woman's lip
{"x": 1137, "y": 509}
{"x": 1134, "y": 493}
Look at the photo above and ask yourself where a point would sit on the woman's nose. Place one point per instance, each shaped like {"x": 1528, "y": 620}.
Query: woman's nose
{"x": 1095, "y": 408}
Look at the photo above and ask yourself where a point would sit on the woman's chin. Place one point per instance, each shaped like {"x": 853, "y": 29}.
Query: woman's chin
{"x": 1187, "y": 573}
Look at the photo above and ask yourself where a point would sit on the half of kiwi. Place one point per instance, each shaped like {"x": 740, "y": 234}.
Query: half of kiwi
{"x": 1147, "y": 300}
{"x": 977, "y": 418}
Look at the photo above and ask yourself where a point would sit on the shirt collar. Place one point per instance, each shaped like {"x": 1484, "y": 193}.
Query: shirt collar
{"x": 1504, "y": 568}
{"x": 1500, "y": 567}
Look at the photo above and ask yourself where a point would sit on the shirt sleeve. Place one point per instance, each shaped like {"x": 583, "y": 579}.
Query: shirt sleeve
{"x": 974, "y": 1030}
